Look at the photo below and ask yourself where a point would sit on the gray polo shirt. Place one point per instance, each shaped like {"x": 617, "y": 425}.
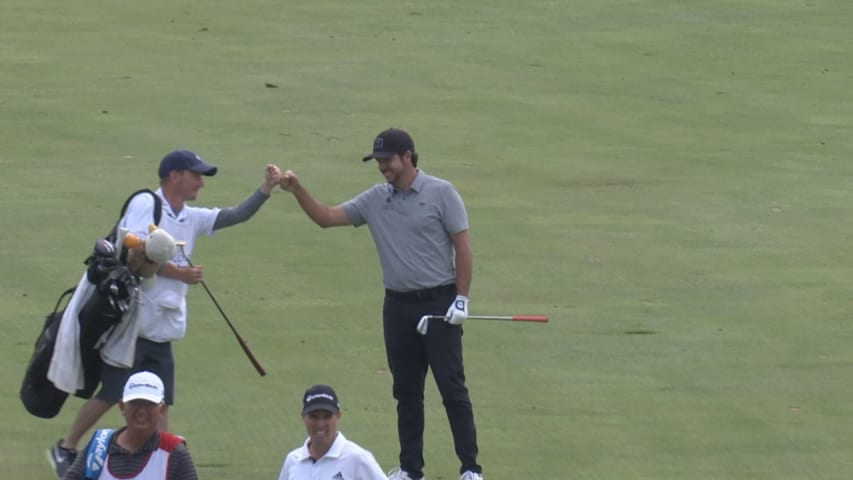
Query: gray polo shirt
{"x": 411, "y": 230}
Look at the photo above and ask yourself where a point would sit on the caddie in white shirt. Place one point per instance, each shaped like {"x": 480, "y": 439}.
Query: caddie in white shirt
{"x": 162, "y": 309}
{"x": 327, "y": 454}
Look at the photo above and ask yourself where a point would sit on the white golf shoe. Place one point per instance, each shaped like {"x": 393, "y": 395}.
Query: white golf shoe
{"x": 469, "y": 475}
{"x": 399, "y": 474}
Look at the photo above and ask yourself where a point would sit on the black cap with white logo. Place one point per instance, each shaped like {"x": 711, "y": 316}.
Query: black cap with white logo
{"x": 390, "y": 142}
{"x": 320, "y": 397}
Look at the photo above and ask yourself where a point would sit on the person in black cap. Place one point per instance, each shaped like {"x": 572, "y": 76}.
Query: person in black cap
{"x": 326, "y": 453}
{"x": 420, "y": 228}
{"x": 162, "y": 313}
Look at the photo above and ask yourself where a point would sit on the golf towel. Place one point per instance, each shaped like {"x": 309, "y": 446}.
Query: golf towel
{"x": 66, "y": 365}
{"x": 117, "y": 347}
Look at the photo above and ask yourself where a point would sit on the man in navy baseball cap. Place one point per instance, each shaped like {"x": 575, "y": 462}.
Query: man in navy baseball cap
{"x": 180, "y": 160}
{"x": 394, "y": 141}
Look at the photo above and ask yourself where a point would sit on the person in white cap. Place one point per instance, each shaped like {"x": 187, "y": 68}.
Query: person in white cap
{"x": 137, "y": 450}
{"x": 163, "y": 307}
{"x": 326, "y": 453}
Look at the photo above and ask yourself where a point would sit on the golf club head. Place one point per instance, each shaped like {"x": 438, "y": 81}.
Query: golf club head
{"x": 103, "y": 248}
{"x": 423, "y": 325}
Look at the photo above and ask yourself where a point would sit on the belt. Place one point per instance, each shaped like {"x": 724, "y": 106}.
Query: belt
{"x": 423, "y": 295}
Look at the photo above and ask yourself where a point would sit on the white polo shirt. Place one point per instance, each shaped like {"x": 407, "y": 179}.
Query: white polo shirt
{"x": 163, "y": 304}
{"x": 345, "y": 460}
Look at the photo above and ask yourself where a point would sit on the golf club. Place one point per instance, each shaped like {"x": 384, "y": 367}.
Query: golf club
{"x": 240, "y": 340}
{"x": 423, "y": 324}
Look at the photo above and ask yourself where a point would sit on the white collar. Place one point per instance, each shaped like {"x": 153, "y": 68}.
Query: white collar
{"x": 334, "y": 451}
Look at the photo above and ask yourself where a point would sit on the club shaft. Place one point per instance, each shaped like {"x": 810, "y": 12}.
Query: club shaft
{"x": 212, "y": 298}
{"x": 210, "y": 294}
{"x": 240, "y": 339}
{"x": 510, "y": 318}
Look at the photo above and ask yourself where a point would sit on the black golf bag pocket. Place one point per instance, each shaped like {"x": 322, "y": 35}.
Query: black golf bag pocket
{"x": 38, "y": 394}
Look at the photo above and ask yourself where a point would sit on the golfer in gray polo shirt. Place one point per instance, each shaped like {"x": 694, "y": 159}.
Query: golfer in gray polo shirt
{"x": 420, "y": 228}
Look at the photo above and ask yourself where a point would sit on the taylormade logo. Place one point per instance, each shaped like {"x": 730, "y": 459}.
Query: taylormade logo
{"x": 132, "y": 386}
{"x": 97, "y": 455}
{"x": 311, "y": 398}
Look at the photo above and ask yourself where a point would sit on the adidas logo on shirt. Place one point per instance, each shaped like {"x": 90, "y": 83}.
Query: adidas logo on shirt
{"x": 338, "y": 476}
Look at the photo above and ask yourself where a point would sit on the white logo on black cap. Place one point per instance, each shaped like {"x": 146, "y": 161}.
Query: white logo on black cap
{"x": 311, "y": 398}
{"x": 378, "y": 143}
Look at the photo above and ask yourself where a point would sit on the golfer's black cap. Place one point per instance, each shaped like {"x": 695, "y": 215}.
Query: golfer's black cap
{"x": 390, "y": 142}
{"x": 320, "y": 397}
{"x": 180, "y": 160}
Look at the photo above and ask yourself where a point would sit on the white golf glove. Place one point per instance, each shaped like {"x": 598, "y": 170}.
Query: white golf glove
{"x": 458, "y": 311}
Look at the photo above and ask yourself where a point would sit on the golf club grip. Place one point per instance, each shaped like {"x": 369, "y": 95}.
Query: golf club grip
{"x": 530, "y": 318}
{"x": 240, "y": 340}
{"x": 252, "y": 358}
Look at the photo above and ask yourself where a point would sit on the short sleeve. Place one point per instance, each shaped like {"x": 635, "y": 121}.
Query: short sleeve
{"x": 359, "y": 208}
{"x": 203, "y": 220}
{"x": 369, "y": 469}
{"x": 181, "y": 465}
{"x": 286, "y": 467}
{"x": 139, "y": 214}
{"x": 454, "y": 216}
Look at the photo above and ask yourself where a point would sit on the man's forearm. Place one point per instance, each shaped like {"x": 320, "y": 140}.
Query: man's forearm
{"x": 315, "y": 210}
{"x": 464, "y": 269}
{"x": 170, "y": 270}
{"x": 242, "y": 212}
{"x": 463, "y": 276}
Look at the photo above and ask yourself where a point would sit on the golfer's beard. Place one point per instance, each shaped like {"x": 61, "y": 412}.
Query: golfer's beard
{"x": 390, "y": 176}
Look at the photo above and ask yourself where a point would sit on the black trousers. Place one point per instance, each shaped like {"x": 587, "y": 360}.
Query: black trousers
{"x": 410, "y": 355}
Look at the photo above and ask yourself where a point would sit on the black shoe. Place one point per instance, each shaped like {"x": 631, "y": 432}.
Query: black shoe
{"x": 60, "y": 458}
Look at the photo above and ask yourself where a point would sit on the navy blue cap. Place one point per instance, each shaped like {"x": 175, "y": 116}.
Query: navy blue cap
{"x": 180, "y": 160}
{"x": 320, "y": 397}
{"x": 388, "y": 143}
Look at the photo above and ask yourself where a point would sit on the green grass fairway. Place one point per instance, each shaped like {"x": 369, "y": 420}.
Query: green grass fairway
{"x": 669, "y": 180}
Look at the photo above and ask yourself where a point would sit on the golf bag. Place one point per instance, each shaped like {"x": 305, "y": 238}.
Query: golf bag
{"x": 113, "y": 289}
